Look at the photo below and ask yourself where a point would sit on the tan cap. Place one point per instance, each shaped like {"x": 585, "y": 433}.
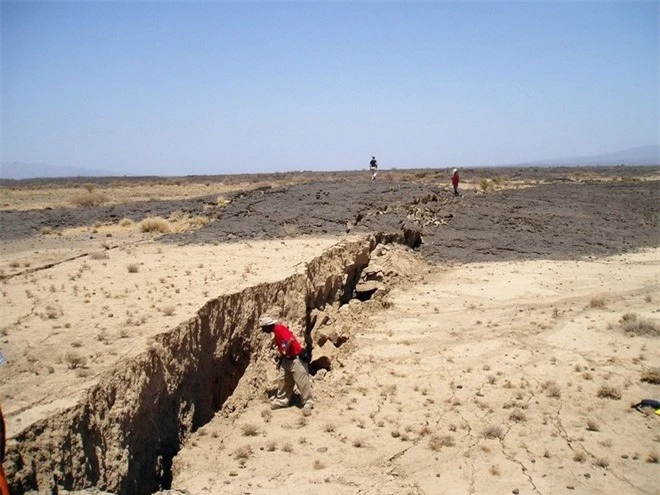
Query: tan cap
{"x": 265, "y": 321}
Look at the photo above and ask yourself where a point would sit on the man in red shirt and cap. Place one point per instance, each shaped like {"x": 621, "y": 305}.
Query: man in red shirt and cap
{"x": 292, "y": 369}
{"x": 454, "y": 181}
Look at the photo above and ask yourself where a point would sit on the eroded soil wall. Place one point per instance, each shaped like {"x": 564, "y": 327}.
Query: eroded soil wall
{"x": 124, "y": 433}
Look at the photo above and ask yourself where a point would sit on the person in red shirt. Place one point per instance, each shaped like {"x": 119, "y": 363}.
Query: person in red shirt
{"x": 292, "y": 370}
{"x": 454, "y": 181}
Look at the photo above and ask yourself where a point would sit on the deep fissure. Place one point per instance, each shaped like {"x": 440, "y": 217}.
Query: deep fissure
{"x": 123, "y": 435}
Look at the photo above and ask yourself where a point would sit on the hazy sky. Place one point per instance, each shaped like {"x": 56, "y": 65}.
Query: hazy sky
{"x": 178, "y": 88}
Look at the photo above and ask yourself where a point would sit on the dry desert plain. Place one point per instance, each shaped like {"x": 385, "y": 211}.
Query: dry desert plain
{"x": 492, "y": 343}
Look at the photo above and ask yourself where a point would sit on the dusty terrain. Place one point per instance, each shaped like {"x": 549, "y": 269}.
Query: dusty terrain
{"x": 496, "y": 354}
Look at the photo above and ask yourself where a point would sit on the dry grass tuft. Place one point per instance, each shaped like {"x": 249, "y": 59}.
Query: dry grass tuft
{"x": 609, "y": 392}
{"x": 493, "y": 431}
{"x": 597, "y": 302}
{"x": 125, "y": 222}
{"x": 494, "y": 470}
{"x": 74, "y": 360}
{"x": 517, "y": 415}
{"x": 436, "y": 442}
{"x": 592, "y": 425}
{"x": 653, "y": 457}
{"x": 601, "y": 462}
{"x": 318, "y": 464}
{"x": 99, "y": 255}
{"x": 290, "y": 229}
{"x": 249, "y": 430}
{"x": 133, "y": 268}
{"x": 155, "y": 224}
{"x": 633, "y": 325}
{"x": 551, "y": 388}
{"x": 579, "y": 456}
{"x": 89, "y": 198}
{"x": 651, "y": 375}
{"x": 243, "y": 452}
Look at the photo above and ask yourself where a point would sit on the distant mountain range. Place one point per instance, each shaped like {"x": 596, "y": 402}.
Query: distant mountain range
{"x": 19, "y": 170}
{"x": 641, "y": 155}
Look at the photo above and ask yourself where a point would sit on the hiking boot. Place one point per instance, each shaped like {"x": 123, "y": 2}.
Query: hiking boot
{"x": 308, "y": 407}
{"x": 275, "y": 406}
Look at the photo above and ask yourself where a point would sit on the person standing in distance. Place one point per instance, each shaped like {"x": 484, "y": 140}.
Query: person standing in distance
{"x": 373, "y": 166}
{"x": 292, "y": 369}
{"x": 454, "y": 181}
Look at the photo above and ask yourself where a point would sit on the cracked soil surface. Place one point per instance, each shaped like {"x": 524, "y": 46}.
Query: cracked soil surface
{"x": 478, "y": 367}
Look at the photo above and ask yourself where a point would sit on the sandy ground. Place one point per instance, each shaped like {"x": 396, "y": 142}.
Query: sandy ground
{"x": 78, "y": 311}
{"x": 478, "y": 370}
{"x": 480, "y": 378}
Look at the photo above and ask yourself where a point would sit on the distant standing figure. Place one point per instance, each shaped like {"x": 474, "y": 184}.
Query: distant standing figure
{"x": 454, "y": 181}
{"x": 292, "y": 369}
{"x": 373, "y": 166}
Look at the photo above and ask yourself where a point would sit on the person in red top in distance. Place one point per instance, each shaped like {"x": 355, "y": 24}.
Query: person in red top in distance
{"x": 292, "y": 369}
{"x": 454, "y": 181}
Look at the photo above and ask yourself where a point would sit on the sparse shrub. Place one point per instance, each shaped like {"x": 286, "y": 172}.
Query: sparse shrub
{"x": 51, "y": 312}
{"x": 484, "y": 184}
{"x": 601, "y": 462}
{"x": 358, "y": 443}
{"x": 318, "y": 464}
{"x": 89, "y": 198}
{"x": 494, "y": 470}
{"x": 198, "y": 221}
{"x": 329, "y": 428}
{"x": 125, "y": 222}
{"x": 493, "y": 431}
{"x": 551, "y": 388}
{"x": 579, "y": 456}
{"x": 271, "y": 446}
{"x": 651, "y": 375}
{"x": 99, "y": 255}
{"x": 287, "y": 447}
{"x": 155, "y": 224}
{"x": 243, "y": 452}
{"x": 597, "y": 302}
{"x": 168, "y": 310}
{"x": 290, "y": 229}
{"x": 436, "y": 442}
{"x": 609, "y": 392}
{"x": 47, "y": 230}
{"x": 74, "y": 360}
{"x": 133, "y": 268}
{"x": 653, "y": 457}
{"x": 250, "y": 430}
{"x": 640, "y": 326}
{"x": 517, "y": 415}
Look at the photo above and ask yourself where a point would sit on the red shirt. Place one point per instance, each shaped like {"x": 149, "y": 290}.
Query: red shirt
{"x": 454, "y": 179}
{"x": 281, "y": 335}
